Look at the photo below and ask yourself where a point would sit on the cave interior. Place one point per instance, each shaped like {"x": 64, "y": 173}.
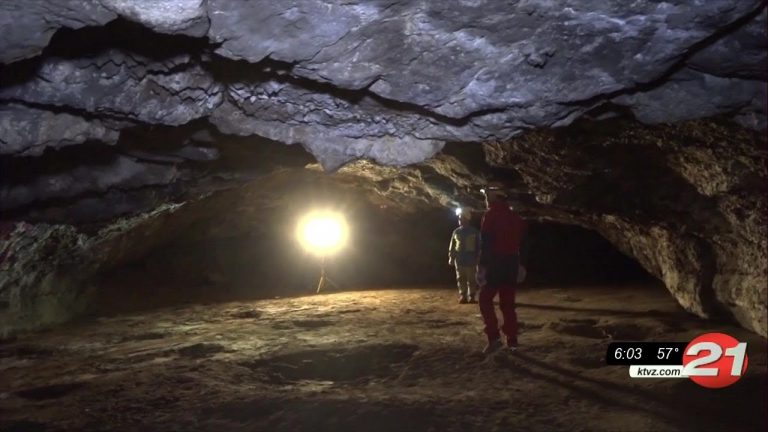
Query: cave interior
{"x": 156, "y": 157}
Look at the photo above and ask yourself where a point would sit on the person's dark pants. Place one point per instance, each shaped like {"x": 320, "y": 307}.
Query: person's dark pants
{"x": 501, "y": 276}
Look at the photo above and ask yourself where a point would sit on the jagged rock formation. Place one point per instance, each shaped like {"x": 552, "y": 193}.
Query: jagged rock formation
{"x": 113, "y": 109}
{"x": 687, "y": 201}
{"x": 381, "y": 75}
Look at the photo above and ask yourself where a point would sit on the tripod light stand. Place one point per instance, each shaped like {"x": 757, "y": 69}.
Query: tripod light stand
{"x": 325, "y": 281}
{"x": 323, "y": 233}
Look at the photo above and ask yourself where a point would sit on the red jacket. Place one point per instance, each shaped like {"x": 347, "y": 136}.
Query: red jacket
{"x": 502, "y": 231}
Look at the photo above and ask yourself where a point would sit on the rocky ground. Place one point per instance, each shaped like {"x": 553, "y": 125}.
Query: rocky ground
{"x": 374, "y": 360}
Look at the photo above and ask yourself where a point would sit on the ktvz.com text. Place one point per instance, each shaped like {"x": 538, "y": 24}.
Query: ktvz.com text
{"x": 638, "y": 371}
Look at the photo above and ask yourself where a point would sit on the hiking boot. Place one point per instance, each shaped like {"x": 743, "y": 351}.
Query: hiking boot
{"x": 472, "y": 300}
{"x": 492, "y": 346}
{"x": 463, "y": 300}
{"x": 511, "y": 346}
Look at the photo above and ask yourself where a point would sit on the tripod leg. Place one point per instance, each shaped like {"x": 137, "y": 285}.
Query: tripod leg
{"x": 325, "y": 281}
{"x": 329, "y": 281}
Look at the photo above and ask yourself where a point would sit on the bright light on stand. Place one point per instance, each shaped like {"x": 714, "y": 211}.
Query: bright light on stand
{"x": 458, "y": 211}
{"x": 323, "y": 233}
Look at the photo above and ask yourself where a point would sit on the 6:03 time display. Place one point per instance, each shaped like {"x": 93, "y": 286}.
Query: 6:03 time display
{"x": 645, "y": 353}
{"x": 628, "y": 353}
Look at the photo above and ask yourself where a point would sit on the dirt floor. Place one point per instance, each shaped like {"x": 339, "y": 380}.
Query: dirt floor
{"x": 388, "y": 360}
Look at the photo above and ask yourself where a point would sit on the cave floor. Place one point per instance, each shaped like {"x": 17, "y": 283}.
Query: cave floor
{"x": 374, "y": 360}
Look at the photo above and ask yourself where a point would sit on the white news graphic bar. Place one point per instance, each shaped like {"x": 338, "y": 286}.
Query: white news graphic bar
{"x": 638, "y": 371}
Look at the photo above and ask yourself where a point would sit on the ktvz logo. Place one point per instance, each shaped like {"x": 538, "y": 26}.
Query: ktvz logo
{"x": 715, "y": 360}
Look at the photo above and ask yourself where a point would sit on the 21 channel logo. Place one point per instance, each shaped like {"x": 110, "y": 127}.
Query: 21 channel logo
{"x": 715, "y": 360}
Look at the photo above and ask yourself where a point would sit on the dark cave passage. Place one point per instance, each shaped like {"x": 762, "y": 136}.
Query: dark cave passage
{"x": 252, "y": 253}
{"x": 565, "y": 255}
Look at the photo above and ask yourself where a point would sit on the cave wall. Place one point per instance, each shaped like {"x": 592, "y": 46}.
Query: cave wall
{"x": 46, "y": 270}
{"x": 687, "y": 201}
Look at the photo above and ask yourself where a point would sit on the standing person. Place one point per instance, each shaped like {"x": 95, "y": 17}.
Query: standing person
{"x": 502, "y": 231}
{"x": 463, "y": 253}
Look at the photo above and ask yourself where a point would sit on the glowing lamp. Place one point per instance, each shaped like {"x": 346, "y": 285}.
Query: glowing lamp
{"x": 323, "y": 233}
{"x": 458, "y": 211}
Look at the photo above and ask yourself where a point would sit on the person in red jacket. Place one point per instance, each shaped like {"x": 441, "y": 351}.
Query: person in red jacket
{"x": 502, "y": 232}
